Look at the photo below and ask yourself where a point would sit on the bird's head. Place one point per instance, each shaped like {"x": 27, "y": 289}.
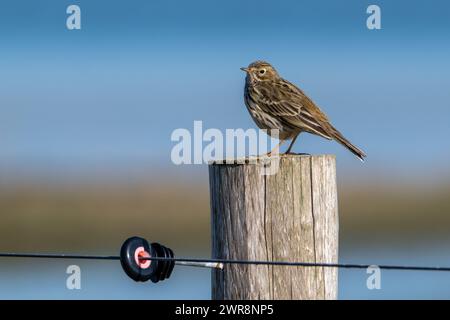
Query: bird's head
{"x": 260, "y": 71}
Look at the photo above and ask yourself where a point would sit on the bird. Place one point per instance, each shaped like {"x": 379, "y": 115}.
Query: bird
{"x": 275, "y": 103}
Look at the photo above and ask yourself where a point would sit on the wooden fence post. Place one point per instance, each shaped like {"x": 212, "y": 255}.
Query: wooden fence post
{"x": 291, "y": 215}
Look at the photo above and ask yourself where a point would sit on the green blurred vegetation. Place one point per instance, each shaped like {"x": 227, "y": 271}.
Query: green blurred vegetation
{"x": 98, "y": 217}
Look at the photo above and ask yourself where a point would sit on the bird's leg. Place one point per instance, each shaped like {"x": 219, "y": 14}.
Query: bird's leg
{"x": 277, "y": 147}
{"x": 292, "y": 143}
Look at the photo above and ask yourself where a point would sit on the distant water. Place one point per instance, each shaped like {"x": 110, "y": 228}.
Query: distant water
{"x": 44, "y": 279}
{"x": 398, "y": 284}
{"x": 99, "y": 280}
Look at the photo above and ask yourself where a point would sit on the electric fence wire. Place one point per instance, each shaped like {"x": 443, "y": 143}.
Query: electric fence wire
{"x": 229, "y": 262}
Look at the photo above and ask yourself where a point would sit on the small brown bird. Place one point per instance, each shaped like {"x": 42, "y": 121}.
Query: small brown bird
{"x": 275, "y": 103}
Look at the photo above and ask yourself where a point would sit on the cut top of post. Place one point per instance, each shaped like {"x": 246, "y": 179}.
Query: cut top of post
{"x": 265, "y": 159}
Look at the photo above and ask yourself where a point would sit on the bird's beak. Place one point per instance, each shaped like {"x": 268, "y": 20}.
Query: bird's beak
{"x": 244, "y": 69}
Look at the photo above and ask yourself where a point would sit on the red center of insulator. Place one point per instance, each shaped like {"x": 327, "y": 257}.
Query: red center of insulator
{"x": 138, "y": 255}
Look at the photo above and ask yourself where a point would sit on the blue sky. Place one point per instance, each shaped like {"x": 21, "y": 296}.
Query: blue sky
{"x": 112, "y": 93}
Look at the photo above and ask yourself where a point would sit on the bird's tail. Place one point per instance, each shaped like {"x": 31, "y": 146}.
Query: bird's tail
{"x": 336, "y": 135}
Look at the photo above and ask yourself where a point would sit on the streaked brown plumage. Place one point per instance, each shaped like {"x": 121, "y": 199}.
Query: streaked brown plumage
{"x": 275, "y": 103}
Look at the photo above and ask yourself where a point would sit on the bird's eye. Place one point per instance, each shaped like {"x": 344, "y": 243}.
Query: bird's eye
{"x": 262, "y": 71}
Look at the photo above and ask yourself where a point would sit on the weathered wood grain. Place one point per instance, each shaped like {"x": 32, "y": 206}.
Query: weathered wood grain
{"x": 288, "y": 216}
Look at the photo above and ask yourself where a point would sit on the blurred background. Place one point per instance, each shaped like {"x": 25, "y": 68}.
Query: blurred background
{"x": 86, "y": 118}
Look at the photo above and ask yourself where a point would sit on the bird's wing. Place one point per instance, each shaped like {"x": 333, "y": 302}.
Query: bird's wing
{"x": 284, "y": 100}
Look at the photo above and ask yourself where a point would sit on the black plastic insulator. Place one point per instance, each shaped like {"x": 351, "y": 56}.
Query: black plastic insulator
{"x": 138, "y": 269}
